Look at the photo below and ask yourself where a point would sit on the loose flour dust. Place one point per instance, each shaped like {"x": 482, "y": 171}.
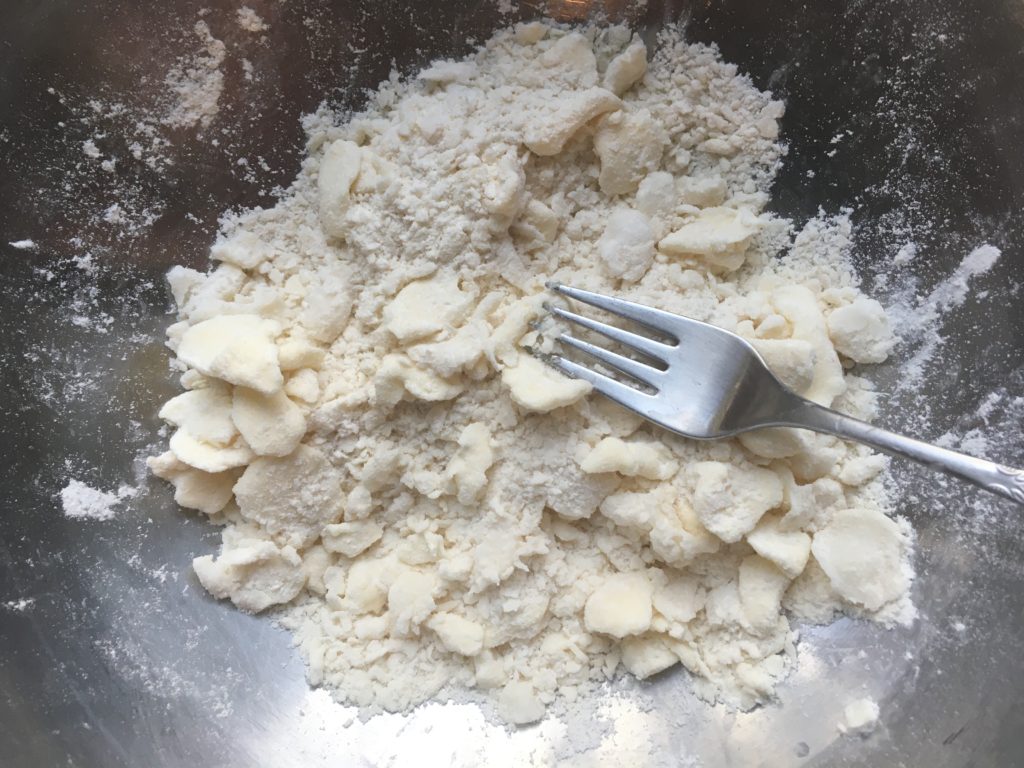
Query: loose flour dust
{"x": 426, "y": 505}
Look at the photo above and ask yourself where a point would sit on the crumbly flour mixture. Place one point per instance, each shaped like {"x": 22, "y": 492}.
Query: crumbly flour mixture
{"x": 426, "y": 505}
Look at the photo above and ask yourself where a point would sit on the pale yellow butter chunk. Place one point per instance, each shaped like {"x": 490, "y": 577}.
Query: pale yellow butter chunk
{"x": 411, "y": 600}
{"x": 518, "y": 703}
{"x": 679, "y": 599}
{"x": 761, "y": 586}
{"x": 799, "y": 306}
{"x": 425, "y": 307}
{"x": 243, "y": 249}
{"x": 293, "y": 354}
{"x": 629, "y": 146}
{"x": 303, "y": 385}
{"x": 861, "y": 551}
{"x": 626, "y": 68}
{"x": 239, "y": 349}
{"x": 788, "y": 550}
{"x": 620, "y": 606}
{"x": 209, "y": 457}
{"x": 647, "y": 655}
{"x": 351, "y": 538}
{"x": 861, "y": 331}
{"x": 272, "y": 425}
{"x": 203, "y": 413}
{"x": 729, "y": 499}
{"x": 537, "y": 387}
{"x": 207, "y": 492}
{"x": 444, "y": 72}
{"x": 719, "y": 236}
{"x": 292, "y": 497}
{"x": 398, "y": 377}
{"x": 650, "y": 460}
{"x": 254, "y": 574}
{"x": 791, "y": 360}
{"x": 457, "y": 634}
{"x": 571, "y": 59}
{"x": 626, "y": 249}
{"x": 468, "y": 467}
{"x": 339, "y": 169}
{"x": 548, "y": 134}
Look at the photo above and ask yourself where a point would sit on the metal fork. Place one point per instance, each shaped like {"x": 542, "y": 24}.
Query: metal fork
{"x": 714, "y": 384}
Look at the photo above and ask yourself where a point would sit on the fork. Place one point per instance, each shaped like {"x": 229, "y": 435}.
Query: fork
{"x": 713, "y": 384}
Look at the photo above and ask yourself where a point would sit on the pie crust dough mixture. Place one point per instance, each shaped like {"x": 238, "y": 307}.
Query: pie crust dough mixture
{"x": 425, "y": 504}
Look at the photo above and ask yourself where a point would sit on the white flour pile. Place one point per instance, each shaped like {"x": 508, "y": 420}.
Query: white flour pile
{"x": 79, "y": 500}
{"x": 196, "y": 82}
{"x": 429, "y": 506}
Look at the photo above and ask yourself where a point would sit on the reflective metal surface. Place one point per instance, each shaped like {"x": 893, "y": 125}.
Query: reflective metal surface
{"x": 909, "y": 112}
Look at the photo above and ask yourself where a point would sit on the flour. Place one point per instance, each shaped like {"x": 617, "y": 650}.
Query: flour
{"x": 196, "y": 83}
{"x": 860, "y": 717}
{"x": 429, "y": 507}
{"x": 918, "y": 317}
{"x": 250, "y": 21}
{"x": 82, "y": 501}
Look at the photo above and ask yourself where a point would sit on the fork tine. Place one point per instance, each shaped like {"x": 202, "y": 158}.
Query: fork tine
{"x": 623, "y": 394}
{"x": 645, "y": 374}
{"x": 648, "y": 346}
{"x": 655, "y": 319}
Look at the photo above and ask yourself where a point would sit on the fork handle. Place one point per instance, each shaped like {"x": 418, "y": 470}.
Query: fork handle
{"x": 1005, "y": 481}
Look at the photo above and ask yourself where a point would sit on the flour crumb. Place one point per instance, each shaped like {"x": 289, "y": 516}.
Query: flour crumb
{"x": 89, "y": 149}
{"x": 23, "y": 245}
{"x": 196, "y": 83}
{"x": 250, "y": 21}
{"x": 860, "y": 717}
{"x": 21, "y": 605}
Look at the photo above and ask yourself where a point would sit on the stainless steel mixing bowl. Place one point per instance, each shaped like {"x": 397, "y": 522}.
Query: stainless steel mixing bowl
{"x": 910, "y": 112}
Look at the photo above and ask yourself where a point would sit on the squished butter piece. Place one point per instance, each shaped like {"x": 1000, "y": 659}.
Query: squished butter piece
{"x": 398, "y": 377}
{"x": 861, "y": 331}
{"x": 629, "y": 146}
{"x": 292, "y": 497}
{"x": 254, "y": 574}
{"x": 194, "y": 489}
{"x": 861, "y": 552}
{"x": 646, "y": 655}
{"x": 626, "y": 248}
{"x": 571, "y": 59}
{"x": 620, "y": 606}
{"x": 339, "y": 170}
{"x": 788, "y": 550}
{"x": 550, "y": 133}
{"x": 204, "y": 413}
{"x": 468, "y": 467}
{"x": 351, "y": 538}
{"x": 730, "y": 500}
{"x": 238, "y": 349}
{"x": 626, "y": 68}
{"x": 536, "y": 387}
{"x": 761, "y": 586}
{"x": 425, "y": 307}
{"x": 718, "y": 235}
{"x": 272, "y": 425}
{"x": 650, "y": 460}
{"x": 799, "y": 306}
{"x": 207, "y": 457}
{"x": 457, "y": 634}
